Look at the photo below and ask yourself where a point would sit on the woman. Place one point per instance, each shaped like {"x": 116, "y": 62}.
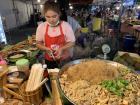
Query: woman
{"x": 54, "y": 37}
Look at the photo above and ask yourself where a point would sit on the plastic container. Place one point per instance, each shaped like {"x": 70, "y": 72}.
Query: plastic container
{"x": 22, "y": 64}
{"x": 129, "y": 42}
{"x": 2, "y": 61}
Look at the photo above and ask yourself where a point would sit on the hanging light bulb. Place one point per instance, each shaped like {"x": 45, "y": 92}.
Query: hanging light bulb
{"x": 55, "y": 1}
{"x": 118, "y": 8}
{"x": 38, "y": 1}
{"x": 41, "y": 6}
{"x": 71, "y": 7}
{"x": 138, "y": 7}
{"x": 69, "y": 4}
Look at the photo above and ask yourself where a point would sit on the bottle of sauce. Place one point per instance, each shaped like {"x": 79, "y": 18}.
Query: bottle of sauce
{"x": 46, "y": 74}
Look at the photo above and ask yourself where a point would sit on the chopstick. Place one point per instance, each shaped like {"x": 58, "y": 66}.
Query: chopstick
{"x": 52, "y": 55}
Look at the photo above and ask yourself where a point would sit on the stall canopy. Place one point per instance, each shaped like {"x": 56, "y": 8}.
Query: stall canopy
{"x": 71, "y": 1}
{"x": 102, "y": 2}
{"x": 81, "y": 1}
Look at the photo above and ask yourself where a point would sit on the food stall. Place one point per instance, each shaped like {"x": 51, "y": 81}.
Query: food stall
{"x": 89, "y": 81}
{"x": 83, "y": 81}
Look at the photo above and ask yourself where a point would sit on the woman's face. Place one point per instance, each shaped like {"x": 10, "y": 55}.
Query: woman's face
{"x": 52, "y": 17}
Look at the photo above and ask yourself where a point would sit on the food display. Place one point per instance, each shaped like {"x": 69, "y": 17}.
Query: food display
{"x": 135, "y": 23}
{"x": 129, "y": 60}
{"x": 16, "y": 56}
{"x": 98, "y": 82}
{"x": 82, "y": 82}
{"x": 32, "y": 49}
{"x": 17, "y": 47}
{"x": 13, "y": 48}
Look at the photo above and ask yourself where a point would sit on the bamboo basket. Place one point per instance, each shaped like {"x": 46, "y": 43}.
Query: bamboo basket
{"x": 33, "y": 97}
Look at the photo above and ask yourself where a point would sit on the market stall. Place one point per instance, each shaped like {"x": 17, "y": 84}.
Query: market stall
{"x": 24, "y": 80}
{"x": 93, "y": 82}
{"x": 84, "y": 81}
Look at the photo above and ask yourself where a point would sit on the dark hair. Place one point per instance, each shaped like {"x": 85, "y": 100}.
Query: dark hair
{"x": 98, "y": 14}
{"x": 49, "y": 5}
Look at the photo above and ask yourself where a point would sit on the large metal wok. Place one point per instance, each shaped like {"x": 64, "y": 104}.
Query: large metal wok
{"x": 66, "y": 99}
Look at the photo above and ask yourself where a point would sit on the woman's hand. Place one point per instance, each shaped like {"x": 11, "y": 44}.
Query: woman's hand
{"x": 49, "y": 51}
{"x": 58, "y": 53}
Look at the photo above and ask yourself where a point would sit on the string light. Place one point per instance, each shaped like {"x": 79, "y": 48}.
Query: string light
{"x": 71, "y": 7}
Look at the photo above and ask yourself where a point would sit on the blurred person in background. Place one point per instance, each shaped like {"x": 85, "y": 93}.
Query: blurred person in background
{"x": 74, "y": 24}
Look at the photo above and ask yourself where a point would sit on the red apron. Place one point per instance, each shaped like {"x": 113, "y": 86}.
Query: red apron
{"x": 55, "y": 43}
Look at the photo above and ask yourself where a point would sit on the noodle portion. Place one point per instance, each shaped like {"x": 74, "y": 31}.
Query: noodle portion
{"x": 93, "y": 71}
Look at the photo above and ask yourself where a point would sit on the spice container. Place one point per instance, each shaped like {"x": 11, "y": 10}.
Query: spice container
{"x": 22, "y": 65}
{"x": 45, "y": 71}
